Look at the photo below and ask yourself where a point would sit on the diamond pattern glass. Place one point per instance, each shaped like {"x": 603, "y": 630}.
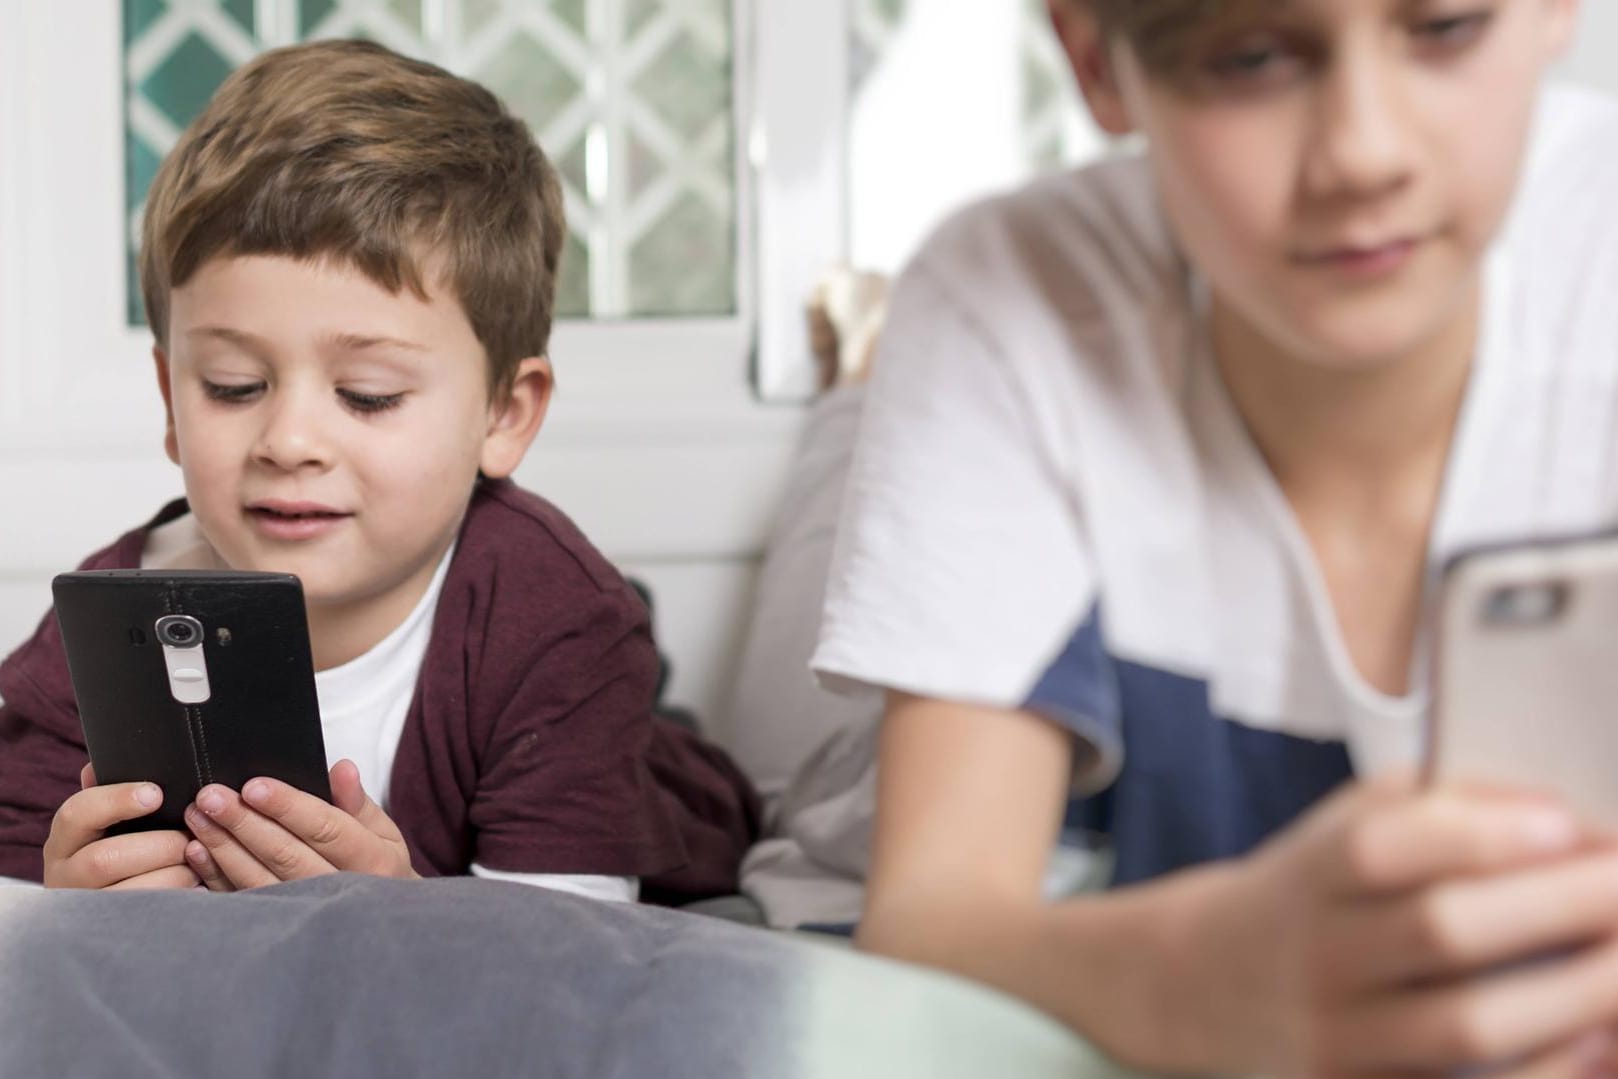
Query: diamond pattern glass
{"x": 632, "y": 99}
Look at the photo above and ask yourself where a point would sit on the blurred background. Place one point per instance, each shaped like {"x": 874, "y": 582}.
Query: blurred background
{"x": 719, "y": 156}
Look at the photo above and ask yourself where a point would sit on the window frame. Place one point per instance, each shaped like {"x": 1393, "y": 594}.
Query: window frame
{"x": 799, "y": 77}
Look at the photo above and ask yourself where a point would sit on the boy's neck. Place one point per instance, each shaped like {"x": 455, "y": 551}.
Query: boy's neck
{"x": 340, "y": 634}
{"x": 1369, "y": 428}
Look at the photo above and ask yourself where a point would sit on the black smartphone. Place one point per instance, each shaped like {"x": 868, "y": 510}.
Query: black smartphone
{"x": 191, "y": 677}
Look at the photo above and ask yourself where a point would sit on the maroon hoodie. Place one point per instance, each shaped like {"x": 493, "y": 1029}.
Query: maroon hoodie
{"x": 530, "y": 746}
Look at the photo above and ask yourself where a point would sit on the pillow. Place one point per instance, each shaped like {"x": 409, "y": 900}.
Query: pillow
{"x": 776, "y": 714}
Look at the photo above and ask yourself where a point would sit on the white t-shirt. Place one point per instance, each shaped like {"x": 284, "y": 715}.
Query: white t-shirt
{"x": 1055, "y": 506}
{"x": 364, "y": 702}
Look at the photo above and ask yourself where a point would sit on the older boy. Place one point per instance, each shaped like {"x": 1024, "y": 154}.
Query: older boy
{"x": 1146, "y": 501}
{"x": 349, "y": 262}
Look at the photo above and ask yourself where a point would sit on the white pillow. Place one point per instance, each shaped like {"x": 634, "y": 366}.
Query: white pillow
{"x": 776, "y": 714}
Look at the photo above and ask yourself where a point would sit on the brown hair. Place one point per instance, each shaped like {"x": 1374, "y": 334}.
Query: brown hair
{"x": 1163, "y": 32}
{"x": 345, "y": 150}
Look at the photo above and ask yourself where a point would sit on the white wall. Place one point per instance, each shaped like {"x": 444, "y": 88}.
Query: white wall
{"x": 924, "y": 138}
{"x": 1594, "y": 59}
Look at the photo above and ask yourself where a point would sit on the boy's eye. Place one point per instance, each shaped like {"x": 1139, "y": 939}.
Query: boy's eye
{"x": 1259, "y": 61}
{"x": 1453, "y": 32}
{"x": 231, "y": 392}
{"x": 1246, "y": 61}
{"x": 370, "y": 402}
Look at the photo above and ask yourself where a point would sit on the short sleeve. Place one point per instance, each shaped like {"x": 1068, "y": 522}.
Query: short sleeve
{"x": 961, "y": 570}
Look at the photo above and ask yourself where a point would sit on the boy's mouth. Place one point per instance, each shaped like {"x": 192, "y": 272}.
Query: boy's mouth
{"x": 1364, "y": 259}
{"x": 292, "y": 521}
{"x": 294, "y": 511}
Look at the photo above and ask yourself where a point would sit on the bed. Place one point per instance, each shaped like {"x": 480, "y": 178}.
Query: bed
{"x": 358, "y": 976}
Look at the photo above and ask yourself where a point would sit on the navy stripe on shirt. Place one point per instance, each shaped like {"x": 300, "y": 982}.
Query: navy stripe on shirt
{"x": 1190, "y": 786}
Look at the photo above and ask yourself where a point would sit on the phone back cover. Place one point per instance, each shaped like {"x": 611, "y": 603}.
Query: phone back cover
{"x": 1532, "y": 705}
{"x": 262, "y": 718}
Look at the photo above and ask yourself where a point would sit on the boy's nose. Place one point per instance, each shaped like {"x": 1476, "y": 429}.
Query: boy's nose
{"x": 1362, "y": 144}
{"x": 292, "y": 437}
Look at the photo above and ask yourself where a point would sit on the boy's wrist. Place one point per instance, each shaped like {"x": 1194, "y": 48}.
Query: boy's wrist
{"x": 1192, "y": 976}
{"x": 1172, "y": 980}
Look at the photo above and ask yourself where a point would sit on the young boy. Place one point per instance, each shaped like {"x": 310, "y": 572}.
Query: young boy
{"x": 348, "y": 263}
{"x": 1158, "y": 464}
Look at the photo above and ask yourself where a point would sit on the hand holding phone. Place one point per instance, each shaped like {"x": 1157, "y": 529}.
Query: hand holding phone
{"x": 80, "y": 854}
{"x": 271, "y": 832}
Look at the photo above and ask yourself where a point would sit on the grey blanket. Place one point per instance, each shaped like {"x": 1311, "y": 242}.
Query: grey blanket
{"x": 356, "y": 976}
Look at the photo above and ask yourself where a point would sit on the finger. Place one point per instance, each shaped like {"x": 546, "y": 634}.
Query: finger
{"x": 1589, "y": 1055}
{"x": 106, "y": 862}
{"x": 169, "y": 878}
{"x": 342, "y": 839}
{"x": 1406, "y": 843}
{"x": 89, "y": 813}
{"x": 1582, "y": 1058}
{"x": 1603, "y": 1047}
{"x": 278, "y": 850}
{"x": 87, "y": 777}
{"x": 1489, "y": 1020}
{"x": 234, "y": 862}
{"x": 347, "y": 793}
{"x": 206, "y": 869}
{"x": 1471, "y": 924}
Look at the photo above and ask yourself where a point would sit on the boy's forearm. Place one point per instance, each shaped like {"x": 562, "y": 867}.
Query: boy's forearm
{"x": 1121, "y": 969}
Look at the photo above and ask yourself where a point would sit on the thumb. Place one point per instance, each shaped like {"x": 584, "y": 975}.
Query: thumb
{"x": 347, "y": 793}
{"x": 349, "y": 796}
{"x": 87, "y": 777}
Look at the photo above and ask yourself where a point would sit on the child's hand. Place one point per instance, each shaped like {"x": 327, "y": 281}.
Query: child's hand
{"x": 79, "y": 854}
{"x": 273, "y": 832}
{"x": 1413, "y": 932}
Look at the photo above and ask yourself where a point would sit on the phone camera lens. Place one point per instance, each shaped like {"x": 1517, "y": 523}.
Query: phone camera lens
{"x": 179, "y": 631}
{"x": 1526, "y": 604}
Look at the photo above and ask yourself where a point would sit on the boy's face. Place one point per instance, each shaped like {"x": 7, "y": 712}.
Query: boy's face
{"x": 1337, "y": 168}
{"x": 329, "y": 428}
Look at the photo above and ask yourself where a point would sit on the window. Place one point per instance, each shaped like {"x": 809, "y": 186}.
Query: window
{"x": 949, "y": 102}
{"x": 632, "y": 99}
{"x": 882, "y": 116}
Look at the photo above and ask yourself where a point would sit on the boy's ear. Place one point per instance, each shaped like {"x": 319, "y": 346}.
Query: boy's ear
{"x": 171, "y": 441}
{"x": 1089, "y": 54}
{"x": 516, "y": 419}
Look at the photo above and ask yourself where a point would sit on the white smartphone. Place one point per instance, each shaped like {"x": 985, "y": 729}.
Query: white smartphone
{"x": 1526, "y": 672}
